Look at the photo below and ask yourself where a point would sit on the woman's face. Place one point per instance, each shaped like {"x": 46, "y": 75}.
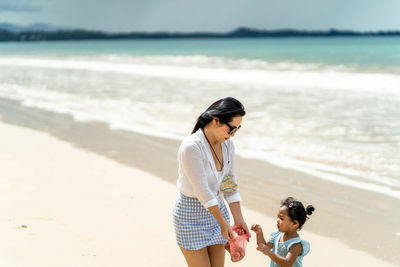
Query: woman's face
{"x": 222, "y": 129}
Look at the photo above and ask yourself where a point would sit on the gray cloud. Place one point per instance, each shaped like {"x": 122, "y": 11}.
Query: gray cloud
{"x": 205, "y": 15}
{"x": 18, "y": 6}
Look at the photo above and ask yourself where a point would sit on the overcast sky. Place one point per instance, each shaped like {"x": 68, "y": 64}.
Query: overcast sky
{"x": 205, "y": 15}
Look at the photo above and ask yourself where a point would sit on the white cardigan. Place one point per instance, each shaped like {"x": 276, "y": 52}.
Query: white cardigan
{"x": 198, "y": 175}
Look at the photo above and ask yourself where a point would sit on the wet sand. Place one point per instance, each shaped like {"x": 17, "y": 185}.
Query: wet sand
{"x": 362, "y": 220}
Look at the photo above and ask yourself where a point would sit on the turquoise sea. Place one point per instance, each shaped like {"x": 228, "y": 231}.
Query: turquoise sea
{"x": 326, "y": 106}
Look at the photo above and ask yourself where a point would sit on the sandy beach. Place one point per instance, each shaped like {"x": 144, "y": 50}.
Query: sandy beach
{"x": 64, "y": 205}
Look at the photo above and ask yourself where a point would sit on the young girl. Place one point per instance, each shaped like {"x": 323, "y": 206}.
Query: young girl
{"x": 285, "y": 248}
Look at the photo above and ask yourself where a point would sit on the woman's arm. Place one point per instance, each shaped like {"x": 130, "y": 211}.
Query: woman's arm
{"x": 234, "y": 198}
{"x": 226, "y": 230}
{"x": 191, "y": 163}
{"x": 237, "y": 216}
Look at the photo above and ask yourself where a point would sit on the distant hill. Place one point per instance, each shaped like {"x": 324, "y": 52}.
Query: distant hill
{"x": 44, "y": 32}
{"x": 32, "y": 27}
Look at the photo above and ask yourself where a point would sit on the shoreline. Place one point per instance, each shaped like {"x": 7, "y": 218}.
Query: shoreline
{"x": 360, "y": 219}
{"x": 29, "y": 35}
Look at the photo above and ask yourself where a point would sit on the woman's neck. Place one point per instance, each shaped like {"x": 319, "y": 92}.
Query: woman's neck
{"x": 209, "y": 135}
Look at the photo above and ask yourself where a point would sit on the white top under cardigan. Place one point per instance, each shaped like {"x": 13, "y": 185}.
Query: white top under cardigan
{"x": 198, "y": 175}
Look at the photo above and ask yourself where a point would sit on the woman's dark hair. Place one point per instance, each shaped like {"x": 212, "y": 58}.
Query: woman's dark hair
{"x": 296, "y": 210}
{"x": 224, "y": 109}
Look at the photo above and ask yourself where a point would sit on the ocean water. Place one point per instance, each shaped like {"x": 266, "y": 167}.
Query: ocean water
{"x": 325, "y": 106}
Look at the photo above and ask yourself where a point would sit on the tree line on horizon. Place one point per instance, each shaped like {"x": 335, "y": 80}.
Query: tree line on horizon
{"x": 6, "y": 35}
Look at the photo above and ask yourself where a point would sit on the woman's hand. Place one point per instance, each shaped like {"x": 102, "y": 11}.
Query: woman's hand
{"x": 226, "y": 231}
{"x": 238, "y": 218}
{"x": 242, "y": 225}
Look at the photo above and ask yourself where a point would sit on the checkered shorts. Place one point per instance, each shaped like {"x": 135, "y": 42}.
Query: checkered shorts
{"x": 195, "y": 226}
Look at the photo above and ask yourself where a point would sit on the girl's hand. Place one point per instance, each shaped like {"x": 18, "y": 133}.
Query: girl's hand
{"x": 226, "y": 231}
{"x": 264, "y": 249}
{"x": 256, "y": 228}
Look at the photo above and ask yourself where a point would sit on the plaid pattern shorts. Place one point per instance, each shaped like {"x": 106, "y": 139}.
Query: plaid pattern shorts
{"x": 195, "y": 226}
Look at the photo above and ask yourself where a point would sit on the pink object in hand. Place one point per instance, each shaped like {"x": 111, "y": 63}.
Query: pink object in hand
{"x": 237, "y": 246}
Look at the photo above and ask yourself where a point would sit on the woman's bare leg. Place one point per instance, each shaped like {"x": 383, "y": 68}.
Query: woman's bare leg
{"x": 196, "y": 258}
{"x": 217, "y": 255}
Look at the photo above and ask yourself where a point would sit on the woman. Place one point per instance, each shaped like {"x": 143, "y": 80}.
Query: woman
{"x": 206, "y": 172}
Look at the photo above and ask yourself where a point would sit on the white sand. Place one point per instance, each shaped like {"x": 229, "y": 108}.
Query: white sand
{"x": 82, "y": 209}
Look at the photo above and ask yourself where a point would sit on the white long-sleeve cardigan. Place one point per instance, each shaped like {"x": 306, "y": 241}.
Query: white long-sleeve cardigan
{"x": 198, "y": 176}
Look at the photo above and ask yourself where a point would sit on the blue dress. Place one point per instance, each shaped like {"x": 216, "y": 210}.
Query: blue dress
{"x": 282, "y": 248}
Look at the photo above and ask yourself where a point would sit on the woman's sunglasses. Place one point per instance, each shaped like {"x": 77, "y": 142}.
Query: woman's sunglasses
{"x": 232, "y": 129}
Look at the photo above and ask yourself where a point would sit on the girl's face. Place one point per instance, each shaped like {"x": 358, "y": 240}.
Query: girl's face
{"x": 222, "y": 129}
{"x": 284, "y": 222}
